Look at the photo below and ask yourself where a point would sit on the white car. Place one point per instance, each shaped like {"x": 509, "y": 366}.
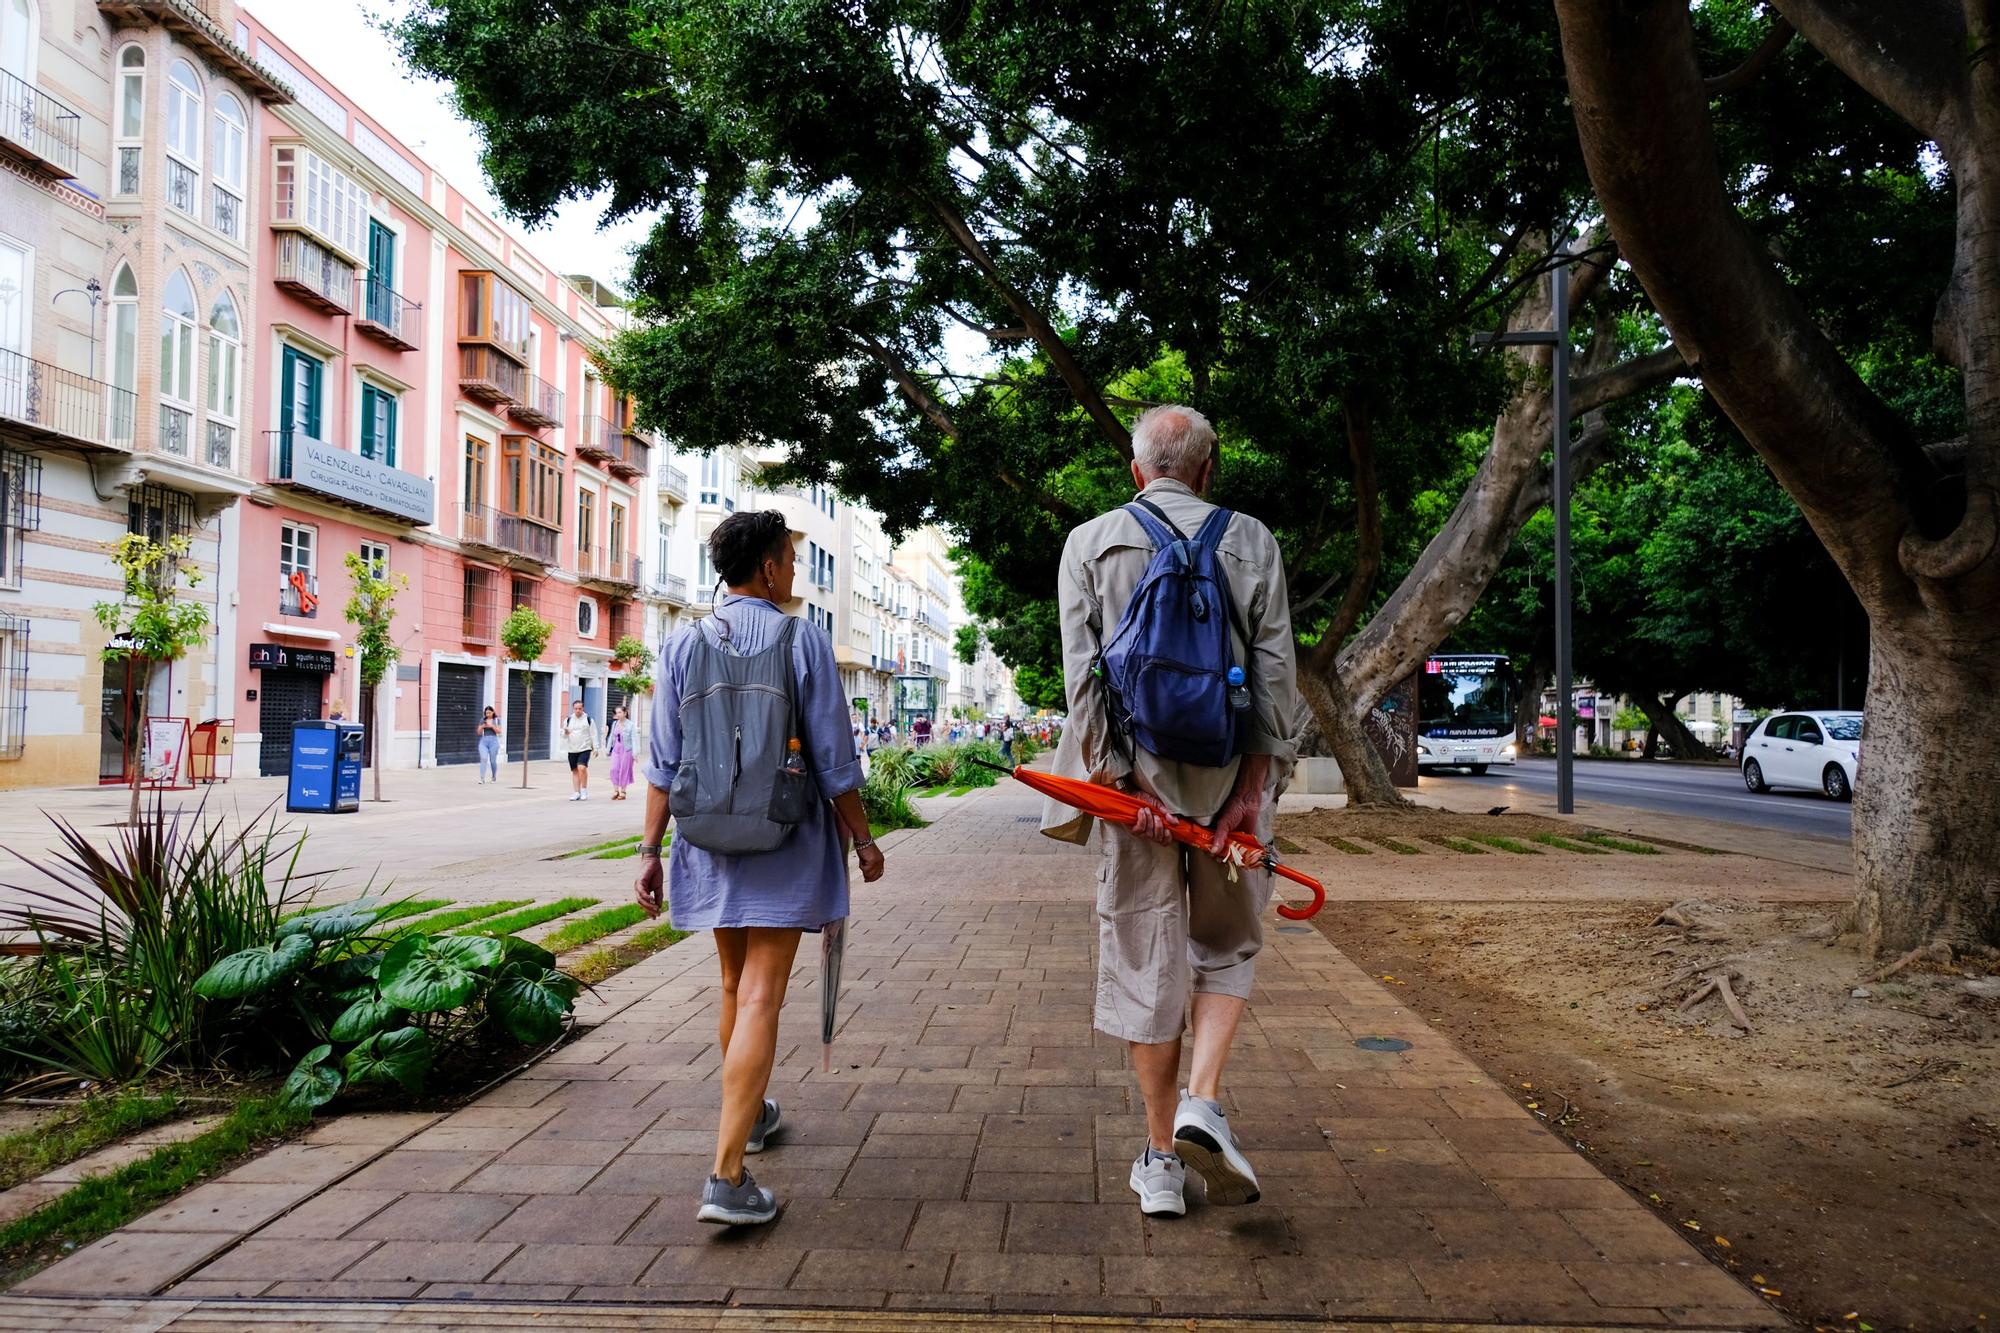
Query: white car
{"x": 1818, "y": 751}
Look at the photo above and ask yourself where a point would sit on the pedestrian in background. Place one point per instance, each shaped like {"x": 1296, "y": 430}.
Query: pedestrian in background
{"x": 756, "y": 902}
{"x": 1007, "y": 740}
{"x": 579, "y": 736}
{"x": 489, "y": 745}
{"x": 618, "y": 744}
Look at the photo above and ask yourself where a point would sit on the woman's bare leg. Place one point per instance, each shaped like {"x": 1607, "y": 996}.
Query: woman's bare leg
{"x": 730, "y": 942}
{"x": 746, "y": 1065}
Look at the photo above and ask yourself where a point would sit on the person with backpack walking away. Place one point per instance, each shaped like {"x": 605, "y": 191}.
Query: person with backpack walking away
{"x": 751, "y": 756}
{"x": 1181, "y": 684}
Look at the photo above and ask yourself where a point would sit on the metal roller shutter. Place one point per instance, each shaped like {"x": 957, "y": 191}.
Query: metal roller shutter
{"x": 530, "y": 706}
{"x": 461, "y": 702}
{"x": 284, "y": 697}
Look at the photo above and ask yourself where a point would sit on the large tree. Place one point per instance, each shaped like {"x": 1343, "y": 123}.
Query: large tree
{"x": 1290, "y": 215}
{"x": 1911, "y": 519}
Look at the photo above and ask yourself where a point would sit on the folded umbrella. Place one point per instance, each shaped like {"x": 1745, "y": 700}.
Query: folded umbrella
{"x": 832, "y": 944}
{"x": 1118, "y": 807}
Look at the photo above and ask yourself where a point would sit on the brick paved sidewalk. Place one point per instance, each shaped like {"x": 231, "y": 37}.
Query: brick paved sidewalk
{"x": 968, "y": 1153}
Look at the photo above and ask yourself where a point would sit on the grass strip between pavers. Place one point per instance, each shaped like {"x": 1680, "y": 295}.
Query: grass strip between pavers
{"x": 1452, "y": 844}
{"x": 102, "y": 1204}
{"x": 1504, "y": 843}
{"x": 593, "y": 927}
{"x": 459, "y": 916}
{"x": 1399, "y": 848}
{"x": 596, "y": 847}
{"x": 1343, "y": 845}
{"x": 514, "y": 922}
{"x": 598, "y": 964}
{"x": 84, "y": 1128}
{"x": 1561, "y": 843}
{"x": 1597, "y": 839}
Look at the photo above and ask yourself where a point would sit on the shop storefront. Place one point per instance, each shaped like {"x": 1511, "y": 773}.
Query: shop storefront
{"x": 291, "y": 687}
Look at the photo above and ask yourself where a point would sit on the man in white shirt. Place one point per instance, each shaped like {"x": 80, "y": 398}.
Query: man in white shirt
{"x": 579, "y": 737}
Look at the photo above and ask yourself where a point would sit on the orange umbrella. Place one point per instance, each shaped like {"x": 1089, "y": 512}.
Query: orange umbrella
{"x": 1117, "y": 807}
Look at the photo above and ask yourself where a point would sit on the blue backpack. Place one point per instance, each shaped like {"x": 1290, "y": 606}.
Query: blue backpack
{"x": 1169, "y": 670}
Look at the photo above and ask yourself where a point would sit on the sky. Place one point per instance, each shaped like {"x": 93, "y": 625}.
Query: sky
{"x": 339, "y": 40}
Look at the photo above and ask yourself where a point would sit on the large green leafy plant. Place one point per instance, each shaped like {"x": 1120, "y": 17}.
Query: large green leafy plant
{"x": 370, "y": 1011}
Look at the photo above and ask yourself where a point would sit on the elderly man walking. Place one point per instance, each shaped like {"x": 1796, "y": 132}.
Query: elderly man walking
{"x": 1171, "y": 576}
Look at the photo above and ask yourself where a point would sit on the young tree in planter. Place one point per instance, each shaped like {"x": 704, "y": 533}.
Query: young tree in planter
{"x": 371, "y": 609}
{"x": 525, "y": 635}
{"x": 636, "y": 659}
{"x": 150, "y": 624}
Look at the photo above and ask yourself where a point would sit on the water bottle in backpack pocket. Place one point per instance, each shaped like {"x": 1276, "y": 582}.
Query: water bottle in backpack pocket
{"x": 1169, "y": 669}
{"x": 741, "y": 785}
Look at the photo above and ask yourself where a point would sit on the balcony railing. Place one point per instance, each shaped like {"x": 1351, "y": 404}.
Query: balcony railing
{"x": 39, "y": 129}
{"x": 63, "y": 405}
{"x": 491, "y": 378}
{"x": 386, "y": 317}
{"x": 598, "y": 564}
{"x": 298, "y": 595}
{"x": 617, "y": 447}
{"x": 314, "y": 274}
{"x": 225, "y": 211}
{"x": 181, "y": 181}
{"x": 674, "y": 483}
{"x": 539, "y": 403}
{"x": 483, "y": 525}
{"x": 176, "y": 425}
{"x": 671, "y": 588}
{"x": 221, "y": 445}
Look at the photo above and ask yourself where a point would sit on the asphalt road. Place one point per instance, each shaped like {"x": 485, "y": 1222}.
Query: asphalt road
{"x": 1675, "y": 789}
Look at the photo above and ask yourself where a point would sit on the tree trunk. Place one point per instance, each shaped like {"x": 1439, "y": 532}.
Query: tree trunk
{"x": 1361, "y": 768}
{"x": 1661, "y": 718}
{"x": 138, "y": 741}
{"x": 374, "y": 740}
{"x": 1926, "y": 847}
{"x": 1528, "y": 706}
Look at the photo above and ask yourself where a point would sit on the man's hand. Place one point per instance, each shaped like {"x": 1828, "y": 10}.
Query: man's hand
{"x": 872, "y": 863}
{"x": 647, "y": 889}
{"x": 1245, "y": 804}
{"x": 1152, "y": 822}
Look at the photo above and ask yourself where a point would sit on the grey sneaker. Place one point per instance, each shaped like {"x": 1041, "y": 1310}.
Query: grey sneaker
{"x": 1202, "y": 1140}
{"x": 1160, "y": 1181}
{"x": 767, "y": 1121}
{"x": 744, "y": 1205}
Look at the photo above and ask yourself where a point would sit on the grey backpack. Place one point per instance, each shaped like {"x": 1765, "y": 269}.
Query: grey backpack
{"x": 742, "y": 784}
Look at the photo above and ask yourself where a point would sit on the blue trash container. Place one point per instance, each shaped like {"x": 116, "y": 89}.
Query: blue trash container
{"x": 326, "y": 767}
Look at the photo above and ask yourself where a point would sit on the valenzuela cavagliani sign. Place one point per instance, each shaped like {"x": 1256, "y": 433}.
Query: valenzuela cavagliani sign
{"x": 348, "y": 476}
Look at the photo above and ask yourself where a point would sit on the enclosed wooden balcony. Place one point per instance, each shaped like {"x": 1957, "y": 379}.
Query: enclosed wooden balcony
{"x": 487, "y": 376}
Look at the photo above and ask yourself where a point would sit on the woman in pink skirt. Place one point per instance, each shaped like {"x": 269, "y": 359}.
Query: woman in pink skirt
{"x": 621, "y": 754}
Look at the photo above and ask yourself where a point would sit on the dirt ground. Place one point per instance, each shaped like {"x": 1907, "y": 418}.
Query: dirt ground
{"x": 1844, "y": 1153}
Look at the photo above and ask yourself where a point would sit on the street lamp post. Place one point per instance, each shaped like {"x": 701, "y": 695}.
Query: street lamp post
{"x": 1557, "y": 339}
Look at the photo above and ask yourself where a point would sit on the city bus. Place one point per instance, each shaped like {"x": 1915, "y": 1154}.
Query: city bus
{"x": 1465, "y": 711}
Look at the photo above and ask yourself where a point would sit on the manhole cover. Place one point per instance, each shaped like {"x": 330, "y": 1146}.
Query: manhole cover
{"x": 1018, "y": 819}
{"x": 1295, "y": 930}
{"x": 1382, "y": 1044}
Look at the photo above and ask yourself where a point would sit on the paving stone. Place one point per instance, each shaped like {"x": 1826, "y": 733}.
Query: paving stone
{"x": 1488, "y": 1233}
{"x": 572, "y": 1218}
{"x": 503, "y": 1291}
{"x": 1240, "y": 1233}
{"x": 581, "y": 1265}
{"x": 1075, "y": 1228}
{"x": 223, "y": 1206}
{"x": 1468, "y": 1288}
{"x": 327, "y": 1216}
{"x": 1023, "y": 1274}
{"x": 403, "y": 1170}
{"x": 903, "y": 1178}
{"x": 878, "y": 1270}
{"x": 950, "y": 1224}
{"x": 287, "y": 1260}
{"x": 902, "y": 1097}
{"x": 342, "y": 1289}
{"x": 842, "y": 1224}
{"x": 431, "y": 1216}
{"x": 764, "y": 1266}
{"x": 1364, "y": 1233}
{"x": 379, "y": 1128}
{"x": 431, "y": 1261}
{"x": 516, "y": 1178}
{"x": 126, "y": 1263}
{"x": 1047, "y": 1187}
{"x": 1562, "y": 1195}
{"x": 1696, "y": 1282}
{"x": 1629, "y": 1235}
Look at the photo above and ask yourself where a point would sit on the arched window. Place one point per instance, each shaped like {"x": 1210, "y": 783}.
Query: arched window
{"x": 225, "y": 363}
{"x": 124, "y": 353}
{"x": 228, "y": 135}
{"x": 17, "y": 39}
{"x": 131, "y": 122}
{"x": 183, "y": 134}
{"x": 177, "y": 316}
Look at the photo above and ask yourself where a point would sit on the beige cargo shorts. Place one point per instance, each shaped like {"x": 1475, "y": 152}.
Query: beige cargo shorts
{"x": 1169, "y": 918}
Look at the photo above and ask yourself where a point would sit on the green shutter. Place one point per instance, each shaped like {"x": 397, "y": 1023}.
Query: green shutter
{"x": 378, "y": 425}
{"x": 388, "y": 419}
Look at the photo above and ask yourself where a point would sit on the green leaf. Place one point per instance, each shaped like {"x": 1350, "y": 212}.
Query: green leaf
{"x": 516, "y": 950}
{"x": 313, "y": 1082}
{"x": 256, "y": 969}
{"x": 403, "y": 1055}
{"x": 530, "y": 1002}
{"x": 363, "y": 1018}
{"x": 429, "y": 974}
{"x": 335, "y": 923}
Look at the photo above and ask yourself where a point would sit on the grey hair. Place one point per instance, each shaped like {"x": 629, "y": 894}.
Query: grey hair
{"x": 1173, "y": 441}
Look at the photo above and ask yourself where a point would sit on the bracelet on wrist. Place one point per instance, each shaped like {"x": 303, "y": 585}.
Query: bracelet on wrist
{"x": 652, "y": 852}
{"x": 863, "y": 842}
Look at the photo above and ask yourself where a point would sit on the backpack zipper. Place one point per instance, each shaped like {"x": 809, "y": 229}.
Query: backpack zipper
{"x": 736, "y": 772}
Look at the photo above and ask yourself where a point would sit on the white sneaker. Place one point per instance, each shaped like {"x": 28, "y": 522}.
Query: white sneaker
{"x": 576, "y": 796}
{"x": 583, "y": 795}
{"x": 1202, "y": 1140}
{"x": 1160, "y": 1182}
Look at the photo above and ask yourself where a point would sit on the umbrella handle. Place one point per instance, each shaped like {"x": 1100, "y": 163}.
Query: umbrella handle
{"x": 1289, "y": 912}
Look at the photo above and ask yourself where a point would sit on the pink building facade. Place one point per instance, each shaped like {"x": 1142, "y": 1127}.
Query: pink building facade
{"x": 423, "y": 399}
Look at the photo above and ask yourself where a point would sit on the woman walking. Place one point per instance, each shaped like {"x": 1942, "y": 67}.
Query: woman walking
{"x": 489, "y": 746}
{"x": 756, "y": 902}
{"x": 619, "y": 746}
{"x": 579, "y": 736}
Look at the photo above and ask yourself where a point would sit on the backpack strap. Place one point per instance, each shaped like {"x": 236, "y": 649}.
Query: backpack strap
{"x": 1160, "y": 529}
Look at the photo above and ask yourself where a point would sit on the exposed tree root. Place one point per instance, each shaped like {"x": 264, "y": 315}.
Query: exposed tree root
{"x": 1937, "y": 951}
